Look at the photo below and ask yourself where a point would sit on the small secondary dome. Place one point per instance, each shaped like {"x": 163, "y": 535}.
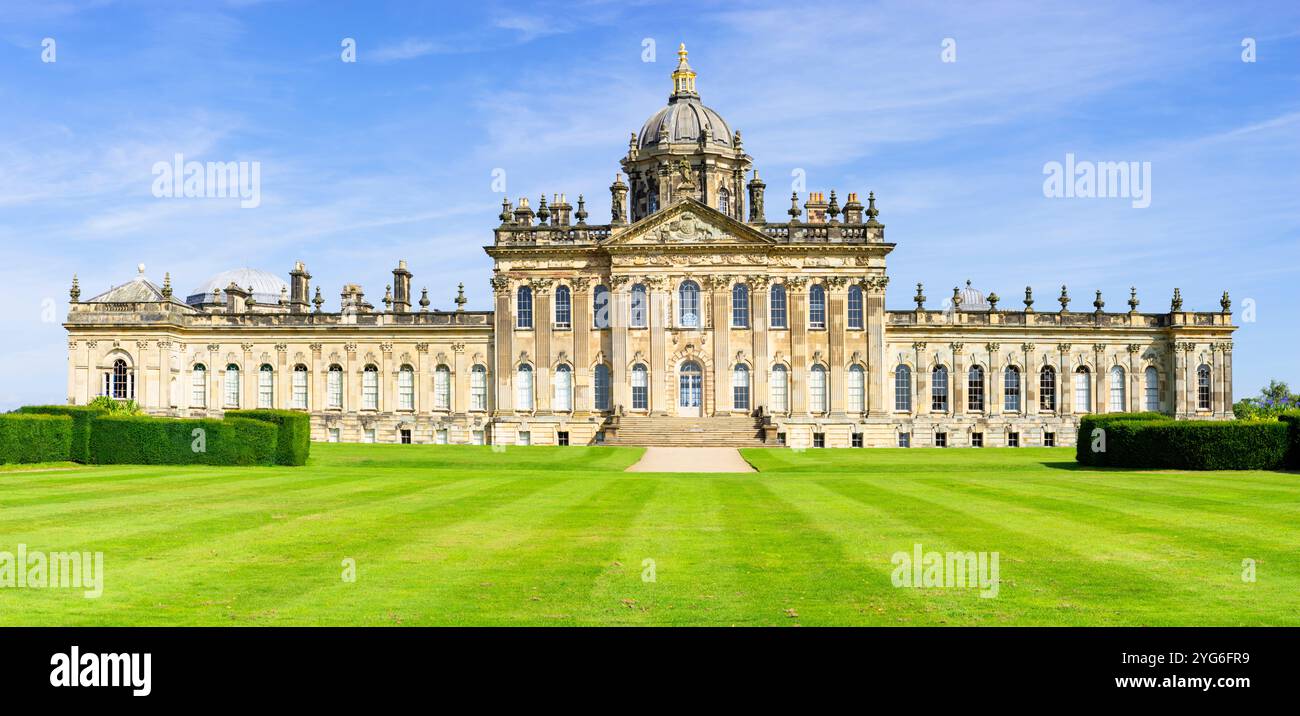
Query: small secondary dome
{"x": 266, "y": 286}
{"x": 972, "y": 299}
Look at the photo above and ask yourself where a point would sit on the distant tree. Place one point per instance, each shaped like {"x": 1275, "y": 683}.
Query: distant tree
{"x": 1273, "y": 399}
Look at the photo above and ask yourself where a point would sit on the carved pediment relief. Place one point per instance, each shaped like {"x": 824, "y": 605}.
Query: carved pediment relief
{"x": 688, "y": 222}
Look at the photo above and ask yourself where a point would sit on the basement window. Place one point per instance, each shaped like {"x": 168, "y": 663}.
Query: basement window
{"x": 406, "y": 436}
{"x": 819, "y": 440}
{"x": 1049, "y": 439}
{"x": 977, "y": 439}
{"x": 905, "y": 440}
{"x": 562, "y": 437}
{"x": 941, "y": 439}
{"x": 1013, "y": 439}
{"x": 857, "y": 440}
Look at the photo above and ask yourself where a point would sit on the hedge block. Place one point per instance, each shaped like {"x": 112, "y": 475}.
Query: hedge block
{"x": 81, "y": 416}
{"x": 35, "y": 438}
{"x": 294, "y": 436}
{"x": 1132, "y": 441}
{"x": 142, "y": 440}
{"x": 1292, "y": 420}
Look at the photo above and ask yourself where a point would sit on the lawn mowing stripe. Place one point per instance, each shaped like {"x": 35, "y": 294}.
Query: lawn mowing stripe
{"x": 1031, "y": 560}
{"x": 1162, "y": 557}
{"x": 438, "y": 555}
{"x": 230, "y": 566}
{"x": 869, "y": 535}
{"x": 549, "y": 574}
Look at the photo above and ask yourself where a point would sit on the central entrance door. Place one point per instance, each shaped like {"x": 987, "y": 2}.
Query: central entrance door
{"x": 690, "y": 390}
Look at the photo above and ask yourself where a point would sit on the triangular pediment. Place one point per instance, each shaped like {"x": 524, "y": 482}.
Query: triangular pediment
{"x": 689, "y": 222}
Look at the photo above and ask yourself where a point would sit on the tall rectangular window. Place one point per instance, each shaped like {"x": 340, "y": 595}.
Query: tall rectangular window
{"x": 563, "y": 307}
{"x": 524, "y": 308}
{"x": 266, "y": 387}
{"x": 1011, "y": 390}
{"x": 817, "y": 389}
{"x": 903, "y": 388}
{"x": 199, "y": 387}
{"x": 740, "y": 388}
{"x": 817, "y": 306}
{"x": 640, "y": 388}
{"x": 334, "y": 387}
{"x": 855, "y": 307}
{"x": 370, "y": 388}
{"x": 740, "y": 306}
{"x": 640, "y": 309}
{"x": 1152, "y": 377}
{"x": 300, "y": 387}
{"x": 779, "y": 387}
{"x": 776, "y": 314}
{"x": 442, "y": 388}
{"x": 406, "y": 388}
{"x": 856, "y": 389}
{"x": 1082, "y": 390}
{"x": 478, "y": 388}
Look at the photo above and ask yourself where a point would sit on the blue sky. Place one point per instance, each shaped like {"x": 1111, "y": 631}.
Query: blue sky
{"x": 392, "y": 157}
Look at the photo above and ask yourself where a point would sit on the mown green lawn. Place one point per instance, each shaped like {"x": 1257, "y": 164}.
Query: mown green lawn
{"x": 468, "y": 536}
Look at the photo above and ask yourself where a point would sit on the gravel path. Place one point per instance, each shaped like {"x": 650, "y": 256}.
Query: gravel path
{"x": 691, "y": 459}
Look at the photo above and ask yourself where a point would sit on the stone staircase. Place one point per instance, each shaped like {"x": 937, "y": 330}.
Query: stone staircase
{"x": 666, "y": 431}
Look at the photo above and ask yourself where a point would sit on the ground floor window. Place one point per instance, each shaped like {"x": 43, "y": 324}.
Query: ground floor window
{"x": 1013, "y": 439}
{"x": 857, "y": 440}
{"x": 977, "y": 439}
{"x": 441, "y": 437}
{"x": 368, "y": 435}
{"x": 780, "y": 438}
{"x": 333, "y": 435}
{"x": 905, "y": 440}
{"x": 1049, "y": 439}
{"x": 524, "y": 437}
{"x": 562, "y": 438}
{"x": 941, "y": 439}
{"x": 406, "y": 436}
{"x": 819, "y": 440}
{"x": 476, "y": 437}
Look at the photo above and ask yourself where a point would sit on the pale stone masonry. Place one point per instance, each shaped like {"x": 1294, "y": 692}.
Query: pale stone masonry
{"x": 688, "y": 304}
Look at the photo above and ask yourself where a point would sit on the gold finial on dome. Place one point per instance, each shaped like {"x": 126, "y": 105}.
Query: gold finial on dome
{"x": 683, "y": 76}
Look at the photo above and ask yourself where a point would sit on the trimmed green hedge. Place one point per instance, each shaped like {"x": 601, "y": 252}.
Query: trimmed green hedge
{"x": 141, "y": 440}
{"x": 295, "y": 432}
{"x": 81, "y": 416}
{"x": 1083, "y": 446}
{"x": 1292, "y": 421}
{"x": 1144, "y": 440}
{"x": 35, "y": 438}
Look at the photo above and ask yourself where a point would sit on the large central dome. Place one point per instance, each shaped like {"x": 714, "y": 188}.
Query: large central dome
{"x": 685, "y": 119}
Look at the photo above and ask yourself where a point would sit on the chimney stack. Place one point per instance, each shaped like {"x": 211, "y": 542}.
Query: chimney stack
{"x": 401, "y": 288}
{"x": 299, "y": 281}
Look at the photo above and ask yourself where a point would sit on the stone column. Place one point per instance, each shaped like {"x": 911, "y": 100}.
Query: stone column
{"x": 836, "y": 325}
{"x": 876, "y": 379}
{"x": 994, "y": 381}
{"x": 459, "y": 403}
{"x": 620, "y": 304}
{"x": 503, "y": 397}
{"x": 387, "y": 379}
{"x": 316, "y": 380}
{"x": 215, "y": 371}
{"x": 248, "y": 372}
{"x": 1225, "y": 357}
{"x": 1029, "y": 388}
{"x": 758, "y": 308}
{"x": 584, "y": 397}
{"x": 658, "y": 295}
{"x": 543, "y": 319}
{"x": 283, "y": 377}
{"x": 1134, "y": 378}
{"x": 957, "y": 395}
{"x": 720, "y": 300}
{"x": 796, "y": 297}
{"x": 1064, "y": 381}
{"x": 920, "y": 381}
{"x": 351, "y": 380}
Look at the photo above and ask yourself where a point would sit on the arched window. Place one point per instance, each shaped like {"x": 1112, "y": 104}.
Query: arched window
{"x": 300, "y": 387}
{"x": 975, "y": 389}
{"x": 855, "y": 307}
{"x": 266, "y": 386}
{"x": 776, "y": 313}
{"x": 1082, "y": 390}
{"x": 478, "y": 388}
{"x": 724, "y": 201}
{"x": 334, "y": 387}
{"x": 1047, "y": 389}
{"x": 524, "y": 307}
{"x": 600, "y": 307}
{"x": 817, "y": 306}
{"x": 1011, "y": 389}
{"x": 118, "y": 383}
{"x": 1203, "y": 387}
{"x": 562, "y": 389}
{"x": 231, "y": 396}
{"x": 442, "y": 388}
{"x": 740, "y": 387}
{"x": 856, "y": 385}
{"x": 524, "y": 387}
{"x": 903, "y": 388}
{"x": 817, "y": 389}
{"x": 640, "y": 306}
{"x": 406, "y": 388}
{"x": 778, "y": 386}
{"x": 199, "y": 386}
{"x": 370, "y": 388}
{"x": 1152, "y": 377}
{"x": 563, "y": 307}
{"x": 640, "y": 387}
{"x": 740, "y": 306}
{"x": 1117, "y": 402}
{"x": 688, "y": 305}
{"x": 602, "y": 386}
{"x": 939, "y": 389}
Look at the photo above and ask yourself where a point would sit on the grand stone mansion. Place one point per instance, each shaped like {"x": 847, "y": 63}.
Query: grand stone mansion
{"x": 689, "y": 318}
